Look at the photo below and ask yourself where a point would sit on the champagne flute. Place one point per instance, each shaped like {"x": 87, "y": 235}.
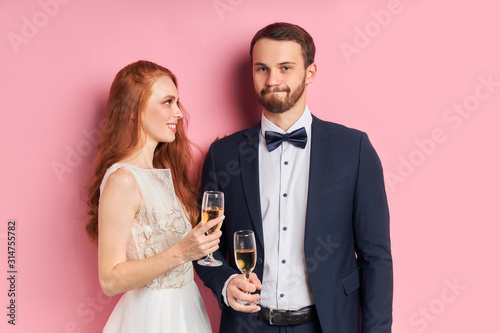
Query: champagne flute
{"x": 212, "y": 207}
{"x": 245, "y": 254}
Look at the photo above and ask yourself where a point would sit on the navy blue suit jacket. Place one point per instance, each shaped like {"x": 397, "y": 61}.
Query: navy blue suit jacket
{"x": 347, "y": 241}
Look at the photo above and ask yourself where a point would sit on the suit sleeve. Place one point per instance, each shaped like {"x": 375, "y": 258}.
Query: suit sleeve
{"x": 214, "y": 277}
{"x": 372, "y": 241}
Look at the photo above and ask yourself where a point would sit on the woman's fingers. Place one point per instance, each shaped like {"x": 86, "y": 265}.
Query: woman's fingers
{"x": 211, "y": 224}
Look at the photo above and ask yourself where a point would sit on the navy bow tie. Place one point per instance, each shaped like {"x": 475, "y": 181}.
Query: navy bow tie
{"x": 297, "y": 138}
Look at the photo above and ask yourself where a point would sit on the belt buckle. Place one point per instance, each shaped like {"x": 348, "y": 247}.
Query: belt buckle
{"x": 271, "y": 314}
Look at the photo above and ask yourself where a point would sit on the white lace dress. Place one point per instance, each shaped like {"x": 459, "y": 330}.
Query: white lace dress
{"x": 172, "y": 302}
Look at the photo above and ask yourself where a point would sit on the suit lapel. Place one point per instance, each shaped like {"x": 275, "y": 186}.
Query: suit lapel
{"x": 320, "y": 153}
{"x": 249, "y": 162}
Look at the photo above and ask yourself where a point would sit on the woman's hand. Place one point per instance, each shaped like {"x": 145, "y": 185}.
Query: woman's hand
{"x": 197, "y": 244}
{"x": 220, "y": 137}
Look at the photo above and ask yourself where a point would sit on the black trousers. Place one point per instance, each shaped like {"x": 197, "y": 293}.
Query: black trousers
{"x": 258, "y": 326}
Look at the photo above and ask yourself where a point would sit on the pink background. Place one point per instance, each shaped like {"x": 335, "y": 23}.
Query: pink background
{"x": 398, "y": 70}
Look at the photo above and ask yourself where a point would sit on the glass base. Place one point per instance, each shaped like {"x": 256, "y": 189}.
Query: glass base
{"x": 209, "y": 262}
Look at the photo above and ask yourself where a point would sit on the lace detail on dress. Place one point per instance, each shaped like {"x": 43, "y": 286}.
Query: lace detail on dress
{"x": 160, "y": 223}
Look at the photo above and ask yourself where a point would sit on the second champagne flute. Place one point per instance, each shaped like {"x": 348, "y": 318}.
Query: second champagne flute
{"x": 212, "y": 207}
{"x": 245, "y": 253}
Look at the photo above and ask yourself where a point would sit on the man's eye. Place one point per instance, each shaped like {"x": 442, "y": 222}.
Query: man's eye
{"x": 285, "y": 68}
{"x": 262, "y": 69}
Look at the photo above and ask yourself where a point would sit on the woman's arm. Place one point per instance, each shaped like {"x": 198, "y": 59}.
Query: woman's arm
{"x": 120, "y": 201}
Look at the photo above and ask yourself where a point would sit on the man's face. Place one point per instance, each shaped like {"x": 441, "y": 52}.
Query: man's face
{"x": 279, "y": 75}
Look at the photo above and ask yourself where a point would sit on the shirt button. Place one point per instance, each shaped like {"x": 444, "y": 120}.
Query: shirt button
{"x": 286, "y": 162}
{"x": 284, "y": 194}
{"x": 285, "y": 228}
{"x": 282, "y": 295}
{"x": 283, "y": 261}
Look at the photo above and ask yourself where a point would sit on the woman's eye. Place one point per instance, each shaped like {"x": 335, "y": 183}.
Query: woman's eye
{"x": 168, "y": 102}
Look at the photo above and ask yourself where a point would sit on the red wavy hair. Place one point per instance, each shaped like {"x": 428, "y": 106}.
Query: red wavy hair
{"x": 120, "y": 138}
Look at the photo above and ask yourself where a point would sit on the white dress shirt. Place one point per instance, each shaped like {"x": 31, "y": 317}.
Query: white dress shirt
{"x": 284, "y": 182}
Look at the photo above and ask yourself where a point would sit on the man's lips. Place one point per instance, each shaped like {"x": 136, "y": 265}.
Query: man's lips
{"x": 271, "y": 91}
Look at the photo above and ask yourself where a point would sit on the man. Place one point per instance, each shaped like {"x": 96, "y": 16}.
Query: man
{"x": 315, "y": 199}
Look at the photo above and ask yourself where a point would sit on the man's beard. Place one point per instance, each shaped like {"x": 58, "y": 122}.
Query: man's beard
{"x": 278, "y": 105}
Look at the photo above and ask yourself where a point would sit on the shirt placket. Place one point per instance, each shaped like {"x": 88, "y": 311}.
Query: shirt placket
{"x": 284, "y": 239}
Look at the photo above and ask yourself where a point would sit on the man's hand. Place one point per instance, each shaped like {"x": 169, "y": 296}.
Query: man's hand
{"x": 237, "y": 289}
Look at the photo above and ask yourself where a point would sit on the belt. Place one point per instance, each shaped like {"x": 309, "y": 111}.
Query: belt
{"x": 288, "y": 317}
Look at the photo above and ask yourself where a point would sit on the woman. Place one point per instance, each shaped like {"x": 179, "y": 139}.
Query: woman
{"x": 143, "y": 207}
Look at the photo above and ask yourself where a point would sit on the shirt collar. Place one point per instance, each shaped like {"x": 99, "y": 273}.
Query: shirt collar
{"x": 305, "y": 121}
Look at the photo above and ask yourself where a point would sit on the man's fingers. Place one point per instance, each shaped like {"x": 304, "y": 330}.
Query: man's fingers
{"x": 255, "y": 281}
{"x": 245, "y": 308}
{"x": 242, "y": 290}
{"x": 252, "y": 307}
{"x": 247, "y": 297}
{"x": 241, "y": 284}
{"x": 249, "y": 288}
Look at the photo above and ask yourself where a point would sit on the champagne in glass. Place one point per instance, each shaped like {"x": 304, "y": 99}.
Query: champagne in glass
{"x": 211, "y": 213}
{"x": 245, "y": 260}
{"x": 212, "y": 207}
{"x": 245, "y": 253}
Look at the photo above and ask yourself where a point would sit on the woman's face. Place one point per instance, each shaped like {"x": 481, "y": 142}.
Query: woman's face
{"x": 159, "y": 121}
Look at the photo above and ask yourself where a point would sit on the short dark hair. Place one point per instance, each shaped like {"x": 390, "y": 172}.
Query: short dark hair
{"x": 291, "y": 32}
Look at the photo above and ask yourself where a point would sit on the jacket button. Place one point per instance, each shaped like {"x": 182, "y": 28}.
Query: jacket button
{"x": 259, "y": 261}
